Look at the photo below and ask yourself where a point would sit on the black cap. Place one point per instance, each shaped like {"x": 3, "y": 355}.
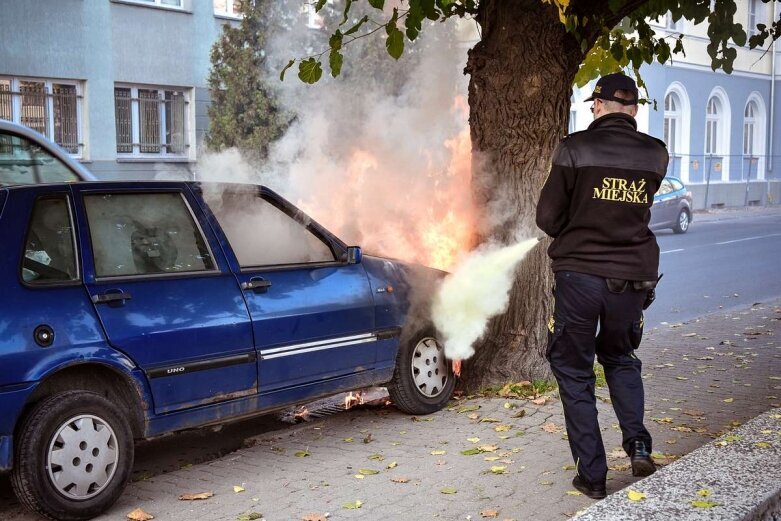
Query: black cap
{"x": 608, "y": 85}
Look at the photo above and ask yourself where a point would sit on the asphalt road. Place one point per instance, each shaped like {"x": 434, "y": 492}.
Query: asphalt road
{"x": 724, "y": 261}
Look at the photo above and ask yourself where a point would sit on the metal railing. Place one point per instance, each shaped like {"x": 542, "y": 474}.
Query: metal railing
{"x": 55, "y": 113}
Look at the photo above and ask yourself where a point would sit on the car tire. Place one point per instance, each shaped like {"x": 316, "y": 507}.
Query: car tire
{"x": 423, "y": 380}
{"x": 65, "y": 441}
{"x": 683, "y": 222}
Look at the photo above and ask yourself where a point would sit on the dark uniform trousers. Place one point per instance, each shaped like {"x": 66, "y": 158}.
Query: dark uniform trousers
{"x": 581, "y": 303}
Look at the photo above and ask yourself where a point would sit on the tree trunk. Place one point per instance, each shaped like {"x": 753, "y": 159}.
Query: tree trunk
{"x": 519, "y": 98}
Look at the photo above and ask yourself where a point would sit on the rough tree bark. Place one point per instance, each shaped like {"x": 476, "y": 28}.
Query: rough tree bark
{"x": 519, "y": 96}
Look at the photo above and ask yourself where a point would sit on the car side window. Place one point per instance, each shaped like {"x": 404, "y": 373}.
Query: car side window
{"x": 263, "y": 235}
{"x": 677, "y": 185}
{"x": 49, "y": 253}
{"x": 145, "y": 234}
{"x": 24, "y": 162}
{"x": 664, "y": 188}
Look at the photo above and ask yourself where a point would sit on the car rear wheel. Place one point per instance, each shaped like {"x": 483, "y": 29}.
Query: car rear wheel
{"x": 423, "y": 380}
{"x": 682, "y": 224}
{"x": 73, "y": 457}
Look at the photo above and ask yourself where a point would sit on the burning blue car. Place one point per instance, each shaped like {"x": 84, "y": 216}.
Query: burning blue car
{"x": 135, "y": 309}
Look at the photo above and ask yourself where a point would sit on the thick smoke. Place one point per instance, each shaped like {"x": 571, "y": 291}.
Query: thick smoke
{"x": 478, "y": 289}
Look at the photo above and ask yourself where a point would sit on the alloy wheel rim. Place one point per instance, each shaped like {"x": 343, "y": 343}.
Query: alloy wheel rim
{"x": 82, "y": 457}
{"x": 683, "y": 221}
{"x": 429, "y": 367}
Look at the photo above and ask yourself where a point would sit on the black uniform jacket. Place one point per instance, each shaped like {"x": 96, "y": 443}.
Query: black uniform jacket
{"x": 596, "y": 202}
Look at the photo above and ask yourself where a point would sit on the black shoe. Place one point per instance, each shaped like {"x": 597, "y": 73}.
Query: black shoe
{"x": 642, "y": 463}
{"x": 592, "y": 491}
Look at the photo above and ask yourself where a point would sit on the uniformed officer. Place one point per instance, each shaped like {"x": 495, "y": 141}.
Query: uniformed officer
{"x": 596, "y": 205}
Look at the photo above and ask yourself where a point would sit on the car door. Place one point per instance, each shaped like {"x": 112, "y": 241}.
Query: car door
{"x": 312, "y": 313}
{"x": 164, "y": 293}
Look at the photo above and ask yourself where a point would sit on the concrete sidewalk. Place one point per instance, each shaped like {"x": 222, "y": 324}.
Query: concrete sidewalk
{"x": 482, "y": 456}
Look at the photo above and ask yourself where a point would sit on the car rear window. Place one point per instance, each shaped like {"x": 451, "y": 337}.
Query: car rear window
{"x": 49, "y": 253}
{"x": 145, "y": 234}
{"x": 677, "y": 185}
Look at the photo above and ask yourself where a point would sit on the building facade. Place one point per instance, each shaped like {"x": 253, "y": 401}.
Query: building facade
{"x": 120, "y": 84}
{"x": 722, "y": 130}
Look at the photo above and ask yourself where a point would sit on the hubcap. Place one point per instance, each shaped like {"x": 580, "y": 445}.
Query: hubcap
{"x": 82, "y": 457}
{"x": 683, "y": 221}
{"x": 429, "y": 367}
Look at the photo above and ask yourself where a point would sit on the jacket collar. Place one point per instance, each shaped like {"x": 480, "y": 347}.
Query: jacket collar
{"x": 614, "y": 119}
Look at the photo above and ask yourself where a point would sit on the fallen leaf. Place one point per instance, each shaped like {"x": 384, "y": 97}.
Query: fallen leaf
{"x": 438, "y": 452}
{"x": 694, "y": 412}
{"x": 354, "y": 505}
{"x": 498, "y": 469}
{"x": 762, "y": 445}
{"x": 250, "y": 516}
{"x": 551, "y": 427}
{"x": 509, "y": 405}
{"x": 376, "y": 457}
{"x": 502, "y": 428}
{"x": 302, "y": 453}
{"x": 634, "y": 495}
{"x": 491, "y": 458}
{"x": 368, "y": 472}
{"x": 689, "y": 334}
{"x": 701, "y": 503}
{"x": 314, "y": 517}
{"x": 237, "y": 489}
{"x": 487, "y": 448}
{"x": 448, "y": 490}
{"x": 360, "y": 476}
{"x": 546, "y": 482}
{"x": 139, "y": 515}
{"x": 348, "y": 440}
{"x": 392, "y": 465}
{"x": 703, "y": 492}
{"x": 489, "y": 513}
{"x": 369, "y": 438}
{"x": 473, "y": 440}
{"x": 473, "y": 416}
{"x": 400, "y": 479}
{"x": 728, "y": 400}
{"x": 488, "y": 419}
{"x": 574, "y": 493}
{"x": 568, "y": 467}
{"x": 520, "y": 414}
{"x": 540, "y": 401}
{"x": 193, "y": 497}
{"x": 471, "y": 452}
{"x": 468, "y": 408}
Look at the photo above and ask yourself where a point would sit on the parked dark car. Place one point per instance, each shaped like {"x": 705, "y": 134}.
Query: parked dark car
{"x": 27, "y": 157}
{"x": 134, "y": 309}
{"x": 672, "y": 207}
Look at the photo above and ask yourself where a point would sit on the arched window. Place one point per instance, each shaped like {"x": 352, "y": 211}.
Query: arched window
{"x": 713, "y": 117}
{"x": 672, "y": 123}
{"x": 754, "y": 125}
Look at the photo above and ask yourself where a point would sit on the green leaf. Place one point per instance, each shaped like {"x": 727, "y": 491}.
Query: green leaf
{"x": 319, "y": 5}
{"x": 395, "y": 43}
{"x": 250, "y": 516}
{"x": 335, "y": 41}
{"x": 701, "y": 503}
{"x": 302, "y": 454}
{"x": 335, "y": 60}
{"x": 347, "y": 5}
{"x": 471, "y": 452}
{"x": 354, "y": 505}
{"x": 354, "y": 28}
{"x": 282, "y": 74}
{"x": 310, "y": 71}
{"x": 377, "y": 4}
{"x": 448, "y": 490}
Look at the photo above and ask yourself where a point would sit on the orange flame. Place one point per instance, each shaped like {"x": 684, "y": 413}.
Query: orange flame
{"x": 425, "y": 216}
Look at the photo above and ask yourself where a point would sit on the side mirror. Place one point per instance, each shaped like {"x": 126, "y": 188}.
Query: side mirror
{"x": 354, "y": 255}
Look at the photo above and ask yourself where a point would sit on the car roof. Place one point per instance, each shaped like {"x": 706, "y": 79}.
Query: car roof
{"x": 9, "y": 127}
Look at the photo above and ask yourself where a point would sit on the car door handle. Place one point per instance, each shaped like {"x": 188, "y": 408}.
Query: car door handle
{"x": 254, "y": 284}
{"x": 111, "y": 297}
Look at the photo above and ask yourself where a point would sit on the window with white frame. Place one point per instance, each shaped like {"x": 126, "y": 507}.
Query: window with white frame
{"x": 749, "y": 128}
{"x": 151, "y": 121}
{"x": 672, "y": 122}
{"x": 160, "y": 3}
{"x": 672, "y": 25}
{"x": 50, "y": 107}
{"x": 755, "y": 12}
{"x": 230, "y": 8}
{"x": 713, "y": 121}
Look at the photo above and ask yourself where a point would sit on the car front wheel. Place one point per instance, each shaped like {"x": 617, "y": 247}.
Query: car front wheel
{"x": 73, "y": 457}
{"x": 423, "y": 380}
{"x": 682, "y": 224}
